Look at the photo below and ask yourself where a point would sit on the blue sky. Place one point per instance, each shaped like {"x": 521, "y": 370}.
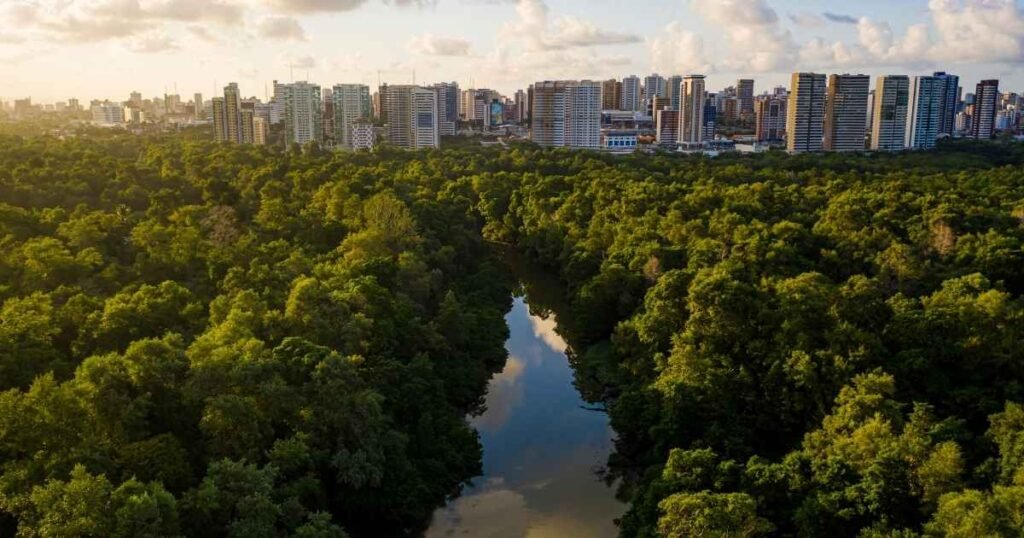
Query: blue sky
{"x": 55, "y": 49}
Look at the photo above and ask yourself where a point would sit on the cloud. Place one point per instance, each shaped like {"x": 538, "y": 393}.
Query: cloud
{"x": 535, "y": 27}
{"x": 675, "y": 50}
{"x": 807, "y": 20}
{"x": 99, "y": 20}
{"x": 841, "y": 19}
{"x": 755, "y": 35}
{"x": 282, "y": 28}
{"x": 152, "y": 43}
{"x": 431, "y": 45}
{"x": 323, "y": 6}
{"x": 314, "y": 6}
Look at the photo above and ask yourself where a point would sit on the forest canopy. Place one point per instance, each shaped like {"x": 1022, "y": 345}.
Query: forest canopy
{"x": 211, "y": 340}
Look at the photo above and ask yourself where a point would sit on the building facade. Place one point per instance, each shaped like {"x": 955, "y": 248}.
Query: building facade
{"x": 892, "y": 96}
{"x": 351, "y": 103}
{"x": 567, "y": 113}
{"x": 805, "y": 113}
{"x": 986, "y": 105}
{"x": 303, "y": 114}
{"x": 949, "y": 104}
{"x": 924, "y": 112}
{"x": 631, "y": 93}
{"x": 770, "y": 113}
{"x": 846, "y": 112}
{"x": 691, "y": 112}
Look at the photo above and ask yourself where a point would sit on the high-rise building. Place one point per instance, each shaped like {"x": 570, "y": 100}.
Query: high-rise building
{"x": 655, "y": 87}
{"x": 327, "y": 113}
{"x": 247, "y": 118}
{"x": 745, "y": 98}
{"x": 691, "y": 112}
{"x": 567, "y": 113}
{"x": 73, "y": 105}
{"x": 986, "y": 103}
{"x": 950, "y": 103}
{"x": 805, "y": 113}
{"x": 675, "y": 88}
{"x": 523, "y": 106}
{"x": 260, "y": 130}
{"x": 351, "y": 103}
{"x": 631, "y": 93}
{"x": 278, "y": 102}
{"x": 846, "y": 112}
{"x": 232, "y": 113}
{"x": 611, "y": 94}
{"x": 924, "y": 112}
{"x": 303, "y": 114}
{"x": 448, "y": 96}
{"x": 666, "y": 125}
{"x": 425, "y": 124}
{"x": 197, "y": 106}
{"x": 412, "y": 116}
{"x": 770, "y": 112}
{"x": 710, "y": 119}
{"x": 892, "y": 95}
{"x": 220, "y": 133}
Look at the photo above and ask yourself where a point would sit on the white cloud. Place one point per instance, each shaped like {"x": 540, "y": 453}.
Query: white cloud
{"x": 675, "y": 50}
{"x": 282, "y": 28}
{"x": 152, "y": 43}
{"x": 534, "y": 27}
{"x": 756, "y": 38}
{"x": 431, "y": 45}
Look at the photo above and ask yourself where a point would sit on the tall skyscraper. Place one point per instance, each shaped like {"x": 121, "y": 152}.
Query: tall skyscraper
{"x": 220, "y": 133}
{"x": 630, "y": 93}
{"x": 448, "y": 96}
{"x": 691, "y": 113}
{"x": 232, "y": 113}
{"x": 950, "y": 103}
{"x": 805, "y": 113}
{"x": 655, "y": 87}
{"x": 247, "y": 116}
{"x": 924, "y": 113}
{"x": 770, "y": 113}
{"x": 567, "y": 113}
{"x": 611, "y": 94}
{"x": 745, "y": 98}
{"x": 523, "y": 106}
{"x": 892, "y": 95}
{"x": 846, "y": 111}
{"x": 277, "y": 103}
{"x": 675, "y": 88}
{"x": 303, "y": 114}
{"x": 261, "y": 130}
{"x": 197, "y": 106}
{"x": 351, "y": 103}
{"x": 986, "y": 103}
{"x": 412, "y": 116}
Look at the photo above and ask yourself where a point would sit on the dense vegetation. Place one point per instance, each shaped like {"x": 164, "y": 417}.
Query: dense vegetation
{"x": 223, "y": 341}
{"x": 202, "y": 340}
{"x": 808, "y": 346}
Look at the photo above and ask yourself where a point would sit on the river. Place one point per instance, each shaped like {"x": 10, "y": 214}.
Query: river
{"x": 543, "y": 449}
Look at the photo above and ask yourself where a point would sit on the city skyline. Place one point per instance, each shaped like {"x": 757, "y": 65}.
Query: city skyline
{"x": 198, "y": 46}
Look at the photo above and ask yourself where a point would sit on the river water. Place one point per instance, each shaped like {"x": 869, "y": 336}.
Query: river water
{"x": 543, "y": 449}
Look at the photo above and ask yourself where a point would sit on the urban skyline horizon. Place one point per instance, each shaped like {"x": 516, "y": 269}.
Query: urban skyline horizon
{"x": 100, "y": 48}
{"x": 268, "y": 92}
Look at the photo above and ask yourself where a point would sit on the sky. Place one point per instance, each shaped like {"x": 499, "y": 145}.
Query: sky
{"x": 52, "y": 50}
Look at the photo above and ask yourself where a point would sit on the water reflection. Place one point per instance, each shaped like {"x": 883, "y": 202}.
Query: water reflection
{"x": 542, "y": 449}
